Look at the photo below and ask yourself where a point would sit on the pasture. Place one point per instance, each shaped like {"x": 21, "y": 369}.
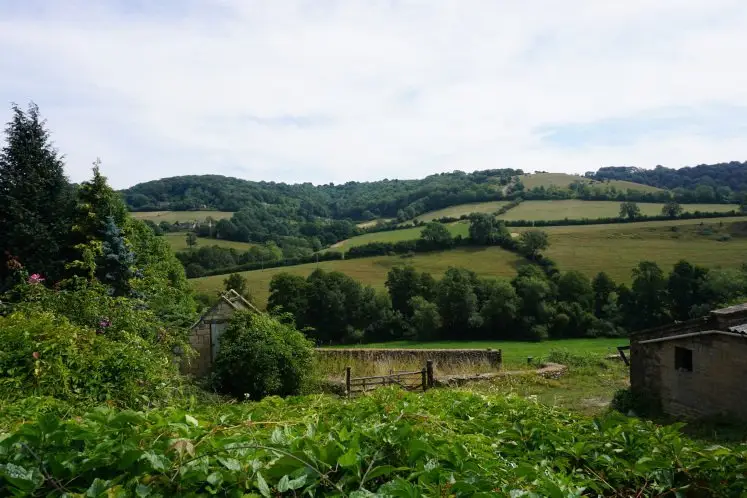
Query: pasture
{"x": 615, "y": 249}
{"x": 457, "y": 228}
{"x": 462, "y": 209}
{"x": 485, "y": 261}
{"x": 563, "y": 180}
{"x": 180, "y": 216}
{"x": 178, "y": 242}
{"x": 577, "y": 209}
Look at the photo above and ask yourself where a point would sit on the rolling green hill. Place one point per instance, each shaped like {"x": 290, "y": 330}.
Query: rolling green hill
{"x": 178, "y": 242}
{"x": 181, "y": 216}
{"x": 462, "y": 209}
{"x": 576, "y": 209}
{"x": 563, "y": 180}
{"x": 615, "y": 249}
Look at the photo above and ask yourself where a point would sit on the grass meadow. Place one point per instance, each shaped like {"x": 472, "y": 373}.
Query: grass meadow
{"x": 457, "y": 228}
{"x": 462, "y": 209}
{"x": 180, "y": 216}
{"x": 486, "y": 261}
{"x": 576, "y": 209}
{"x": 615, "y": 249}
{"x": 562, "y": 180}
{"x": 178, "y": 242}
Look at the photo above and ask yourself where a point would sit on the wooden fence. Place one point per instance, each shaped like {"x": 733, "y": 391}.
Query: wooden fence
{"x": 409, "y": 381}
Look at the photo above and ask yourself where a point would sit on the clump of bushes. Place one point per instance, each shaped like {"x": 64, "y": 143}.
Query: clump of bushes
{"x": 44, "y": 354}
{"x": 261, "y": 356}
{"x": 628, "y": 402}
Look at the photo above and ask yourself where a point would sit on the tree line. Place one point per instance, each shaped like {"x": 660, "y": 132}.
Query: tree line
{"x": 333, "y": 308}
{"x": 719, "y": 178}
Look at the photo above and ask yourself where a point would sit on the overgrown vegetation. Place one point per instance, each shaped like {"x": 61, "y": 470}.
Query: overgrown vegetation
{"x": 390, "y": 443}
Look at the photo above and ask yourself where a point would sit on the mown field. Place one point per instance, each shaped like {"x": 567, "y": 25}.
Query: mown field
{"x": 615, "y": 249}
{"x": 457, "y": 228}
{"x": 562, "y": 180}
{"x": 462, "y": 209}
{"x": 180, "y": 216}
{"x": 576, "y": 209}
{"x": 178, "y": 242}
{"x": 486, "y": 261}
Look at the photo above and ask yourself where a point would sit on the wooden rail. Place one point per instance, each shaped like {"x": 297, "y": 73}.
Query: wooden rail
{"x": 409, "y": 381}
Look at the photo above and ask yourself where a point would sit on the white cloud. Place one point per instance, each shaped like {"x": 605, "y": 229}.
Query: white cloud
{"x": 381, "y": 88}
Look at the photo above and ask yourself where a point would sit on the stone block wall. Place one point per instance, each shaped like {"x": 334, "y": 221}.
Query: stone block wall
{"x": 439, "y": 356}
{"x": 715, "y": 386}
{"x": 199, "y": 339}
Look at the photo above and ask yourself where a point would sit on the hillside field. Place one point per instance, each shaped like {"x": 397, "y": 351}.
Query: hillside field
{"x": 615, "y": 249}
{"x": 180, "y": 216}
{"x": 563, "y": 180}
{"x": 457, "y": 228}
{"x": 486, "y": 261}
{"x": 462, "y": 209}
{"x": 178, "y": 242}
{"x": 577, "y": 209}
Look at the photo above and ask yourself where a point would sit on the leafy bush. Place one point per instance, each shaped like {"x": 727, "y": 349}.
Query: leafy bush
{"x": 626, "y": 401}
{"x": 261, "y": 356}
{"x": 42, "y": 354}
{"x": 441, "y": 443}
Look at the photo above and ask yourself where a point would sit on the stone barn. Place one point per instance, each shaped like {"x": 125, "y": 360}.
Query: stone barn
{"x": 205, "y": 334}
{"x": 695, "y": 368}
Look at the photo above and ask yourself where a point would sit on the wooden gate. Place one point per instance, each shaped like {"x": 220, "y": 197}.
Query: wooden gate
{"x": 419, "y": 380}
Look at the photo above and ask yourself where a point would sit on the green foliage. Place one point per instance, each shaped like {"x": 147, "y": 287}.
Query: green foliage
{"x": 571, "y": 359}
{"x": 629, "y": 210}
{"x": 443, "y": 443}
{"x": 626, "y": 401}
{"x": 671, "y": 209}
{"x": 260, "y": 356}
{"x": 486, "y": 229}
{"x": 35, "y": 197}
{"x": 238, "y": 283}
{"x": 532, "y": 242}
{"x": 43, "y": 354}
{"x": 426, "y": 322}
{"x": 191, "y": 239}
{"x": 436, "y": 235}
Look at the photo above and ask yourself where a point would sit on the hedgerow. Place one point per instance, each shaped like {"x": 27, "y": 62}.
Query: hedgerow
{"x": 442, "y": 443}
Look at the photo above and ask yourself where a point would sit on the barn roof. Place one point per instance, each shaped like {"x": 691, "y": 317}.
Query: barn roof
{"x": 234, "y": 299}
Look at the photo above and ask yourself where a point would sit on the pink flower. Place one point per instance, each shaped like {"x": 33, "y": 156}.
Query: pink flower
{"x": 35, "y": 354}
{"x": 36, "y": 279}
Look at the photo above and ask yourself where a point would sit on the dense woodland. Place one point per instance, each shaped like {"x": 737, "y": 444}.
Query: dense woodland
{"x": 732, "y": 176}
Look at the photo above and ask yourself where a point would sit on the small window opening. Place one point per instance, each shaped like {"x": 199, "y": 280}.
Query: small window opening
{"x": 683, "y": 359}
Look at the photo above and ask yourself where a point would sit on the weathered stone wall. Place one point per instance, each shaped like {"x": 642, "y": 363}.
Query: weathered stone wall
{"x": 199, "y": 339}
{"x": 439, "y": 356}
{"x": 714, "y": 387}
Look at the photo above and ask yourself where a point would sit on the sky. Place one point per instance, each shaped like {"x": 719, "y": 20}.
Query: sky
{"x": 353, "y": 90}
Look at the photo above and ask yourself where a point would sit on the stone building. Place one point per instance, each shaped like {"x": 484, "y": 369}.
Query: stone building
{"x": 205, "y": 334}
{"x": 695, "y": 368}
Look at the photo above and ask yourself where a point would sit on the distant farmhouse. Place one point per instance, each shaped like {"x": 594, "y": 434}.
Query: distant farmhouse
{"x": 205, "y": 334}
{"x": 696, "y": 368}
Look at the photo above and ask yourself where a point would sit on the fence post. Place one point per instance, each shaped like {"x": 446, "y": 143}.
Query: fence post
{"x": 424, "y": 375}
{"x": 429, "y": 371}
{"x": 347, "y": 381}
